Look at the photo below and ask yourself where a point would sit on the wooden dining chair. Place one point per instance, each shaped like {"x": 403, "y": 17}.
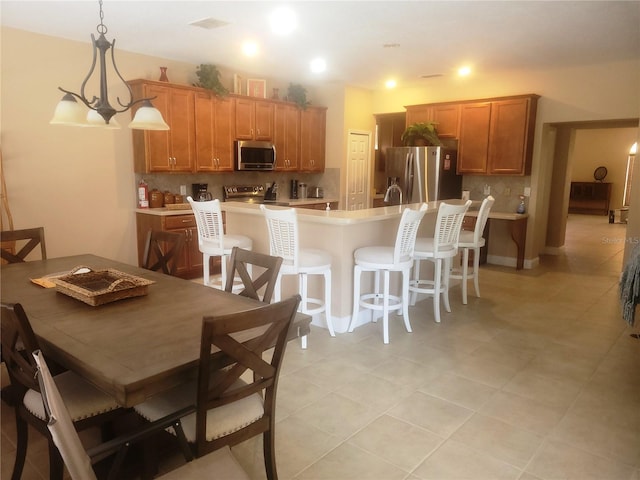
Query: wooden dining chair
{"x": 87, "y": 405}
{"x": 79, "y": 462}
{"x": 12, "y": 239}
{"x": 163, "y": 251}
{"x": 241, "y": 266}
{"x": 230, "y": 409}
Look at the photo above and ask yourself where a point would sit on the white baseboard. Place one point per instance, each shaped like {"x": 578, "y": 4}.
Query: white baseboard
{"x": 512, "y": 262}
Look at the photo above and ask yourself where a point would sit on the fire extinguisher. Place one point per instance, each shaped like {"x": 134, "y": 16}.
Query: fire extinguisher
{"x": 143, "y": 194}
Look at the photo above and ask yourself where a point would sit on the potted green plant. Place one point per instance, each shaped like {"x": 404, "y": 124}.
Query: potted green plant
{"x": 421, "y": 134}
{"x": 297, "y": 94}
{"x": 209, "y": 78}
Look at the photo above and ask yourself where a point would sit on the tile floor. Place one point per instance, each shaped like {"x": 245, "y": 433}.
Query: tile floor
{"x": 538, "y": 379}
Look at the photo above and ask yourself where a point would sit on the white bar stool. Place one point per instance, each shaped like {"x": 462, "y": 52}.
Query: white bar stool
{"x": 439, "y": 249}
{"x": 472, "y": 240}
{"x": 213, "y": 242}
{"x": 386, "y": 260}
{"x": 284, "y": 242}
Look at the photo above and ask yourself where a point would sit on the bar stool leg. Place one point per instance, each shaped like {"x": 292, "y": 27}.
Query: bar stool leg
{"x": 327, "y": 302}
{"x": 476, "y": 270}
{"x": 465, "y": 273}
{"x": 406, "y": 278}
{"x": 437, "y": 276}
{"x": 385, "y": 309}
{"x": 205, "y": 269}
{"x": 357, "y": 271}
{"x": 416, "y": 278}
{"x": 445, "y": 282}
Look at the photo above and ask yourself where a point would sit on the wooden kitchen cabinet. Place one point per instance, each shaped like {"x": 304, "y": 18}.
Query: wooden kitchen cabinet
{"x": 473, "y": 144}
{"x": 170, "y": 150}
{"x": 190, "y": 265}
{"x": 511, "y": 136}
{"x": 286, "y": 136}
{"x": 445, "y": 115}
{"x": 312, "y": 139}
{"x": 496, "y": 137}
{"x": 253, "y": 119}
{"x": 214, "y": 118}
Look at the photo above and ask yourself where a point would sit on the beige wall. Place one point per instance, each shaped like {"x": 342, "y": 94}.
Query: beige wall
{"x": 79, "y": 183}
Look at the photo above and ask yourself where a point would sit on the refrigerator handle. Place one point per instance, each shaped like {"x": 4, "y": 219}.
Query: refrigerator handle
{"x": 408, "y": 177}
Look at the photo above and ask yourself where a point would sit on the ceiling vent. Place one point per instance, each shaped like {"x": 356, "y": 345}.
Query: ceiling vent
{"x": 209, "y": 23}
{"x": 432, "y": 75}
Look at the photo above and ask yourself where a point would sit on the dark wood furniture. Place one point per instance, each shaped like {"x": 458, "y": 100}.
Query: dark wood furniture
{"x": 590, "y": 198}
{"x": 230, "y": 409}
{"x": 88, "y": 406}
{"x": 12, "y": 239}
{"x": 163, "y": 251}
{"x": 184, "y": 223}
{"x": 132, "y": 348}
{"x": 239, "y": 262}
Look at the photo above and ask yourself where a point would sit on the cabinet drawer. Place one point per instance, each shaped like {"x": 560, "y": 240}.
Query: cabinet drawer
{"x": 180, "y": 221}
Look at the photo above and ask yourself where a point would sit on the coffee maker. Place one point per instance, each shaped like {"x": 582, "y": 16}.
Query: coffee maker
{"x": 294, "y": 190}
{"x": 200, "y": 192}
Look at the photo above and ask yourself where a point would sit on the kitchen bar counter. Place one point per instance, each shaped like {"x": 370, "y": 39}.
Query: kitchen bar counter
{"x": 164, "y": 211}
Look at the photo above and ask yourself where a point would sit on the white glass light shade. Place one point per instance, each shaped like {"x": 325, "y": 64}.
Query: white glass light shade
{"x": 94, "y": 119}
{"x": 148, "y": 118}
{"x": 69, "y": 112}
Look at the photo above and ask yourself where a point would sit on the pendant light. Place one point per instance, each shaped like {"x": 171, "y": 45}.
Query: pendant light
{"x": 70, "y": 112}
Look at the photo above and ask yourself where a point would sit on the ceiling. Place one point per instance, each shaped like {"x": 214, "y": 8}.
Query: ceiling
{"x": 429, "y": 37}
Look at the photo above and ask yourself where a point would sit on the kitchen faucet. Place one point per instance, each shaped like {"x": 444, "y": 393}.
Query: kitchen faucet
{"x": 389, "y": 197}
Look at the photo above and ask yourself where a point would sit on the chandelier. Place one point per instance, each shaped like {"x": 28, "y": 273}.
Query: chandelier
{"x": 101, "y": 112}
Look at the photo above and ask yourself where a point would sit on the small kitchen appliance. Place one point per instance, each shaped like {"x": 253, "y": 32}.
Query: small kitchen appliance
{"x": 302, "y": 190}
{"x": 294, "y": 190}
{"x": 315, "y": 192}
{"x": 200, "y": 192}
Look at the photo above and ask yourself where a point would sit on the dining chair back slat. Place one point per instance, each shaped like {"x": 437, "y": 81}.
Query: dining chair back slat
{"x": 243, "y": 263}
{"x": 163, "y": 251}
{"x": 12, "y": 239}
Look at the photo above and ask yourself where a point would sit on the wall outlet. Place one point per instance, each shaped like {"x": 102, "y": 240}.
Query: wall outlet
{"x": 183, "y": 189}
{"x": 487, "y": 190}
{"x": 527, "y": 191}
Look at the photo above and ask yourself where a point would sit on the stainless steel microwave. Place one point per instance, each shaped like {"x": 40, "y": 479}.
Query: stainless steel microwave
{"x": 252, "y": 155}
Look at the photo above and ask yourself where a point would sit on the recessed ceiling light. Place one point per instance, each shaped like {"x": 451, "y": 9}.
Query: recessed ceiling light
{"x": 464, "y": 71}
{"x": 318, "y": 65}
{"x": 391, "y": 83}
{"x": 283, "y": 21}
{"x": 250, "y": 49}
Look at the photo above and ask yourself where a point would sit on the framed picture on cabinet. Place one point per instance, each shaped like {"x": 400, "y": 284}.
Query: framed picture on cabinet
{"x": 237, "y": 84}
{"x": 257, "y": 88}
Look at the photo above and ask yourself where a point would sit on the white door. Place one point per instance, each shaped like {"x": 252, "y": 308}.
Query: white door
{"x": 358, "y": 170}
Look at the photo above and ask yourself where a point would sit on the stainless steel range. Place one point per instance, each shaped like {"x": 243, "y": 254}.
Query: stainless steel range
{"x": 243, "y": 193}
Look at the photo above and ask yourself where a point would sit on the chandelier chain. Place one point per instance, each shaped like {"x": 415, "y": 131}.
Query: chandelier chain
{"x": 101, "y": 28}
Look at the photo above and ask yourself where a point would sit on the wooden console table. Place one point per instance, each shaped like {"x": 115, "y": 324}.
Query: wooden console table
{"x": 590, "y": 198}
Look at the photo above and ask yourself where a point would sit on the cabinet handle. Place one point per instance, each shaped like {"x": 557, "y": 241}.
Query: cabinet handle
{"x": 186, "y": 221}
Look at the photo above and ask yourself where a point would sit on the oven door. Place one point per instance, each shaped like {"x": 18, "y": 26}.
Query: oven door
{"x": 252, "y": 155}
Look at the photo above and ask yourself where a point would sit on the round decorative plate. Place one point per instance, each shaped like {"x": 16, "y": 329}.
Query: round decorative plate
{"x": 599, "y": 173}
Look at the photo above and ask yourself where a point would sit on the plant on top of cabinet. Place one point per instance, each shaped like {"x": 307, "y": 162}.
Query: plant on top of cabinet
{"x": 209, "y": 78}
{"x": 421, "y": 134}
{"x": 297, "y": 94}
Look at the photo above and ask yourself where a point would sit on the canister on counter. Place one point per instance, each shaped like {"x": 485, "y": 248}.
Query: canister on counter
{"x": 302, "y": 190}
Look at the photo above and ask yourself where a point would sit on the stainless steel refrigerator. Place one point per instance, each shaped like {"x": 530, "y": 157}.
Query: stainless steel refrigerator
{"x": 424, "y": 174}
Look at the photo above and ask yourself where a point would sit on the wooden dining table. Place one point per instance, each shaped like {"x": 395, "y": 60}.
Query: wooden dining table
{"x": 132, "y": 348}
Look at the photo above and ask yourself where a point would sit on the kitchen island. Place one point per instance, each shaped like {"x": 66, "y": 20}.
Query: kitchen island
{"x": 339, "y": 232}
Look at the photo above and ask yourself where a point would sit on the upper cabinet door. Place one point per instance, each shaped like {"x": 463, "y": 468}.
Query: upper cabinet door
{"x": 474, "y": 137}
{"x": 172, "y": 150}
{"x": 286, "y": 136}
{"x": 254, "y": 119}
{"x": 214, "y": 140}
{"x": 312, "y": 139}
{"x": 511, "y": 137}
{"x": 447, "y": 119}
